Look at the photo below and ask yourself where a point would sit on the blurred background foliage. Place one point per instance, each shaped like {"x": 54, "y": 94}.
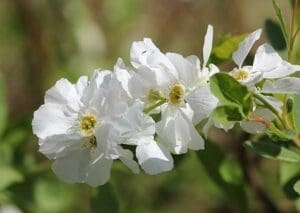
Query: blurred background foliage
{"x": 44, "y": 40}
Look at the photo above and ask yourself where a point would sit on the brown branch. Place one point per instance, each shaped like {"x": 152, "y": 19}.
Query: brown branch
{"x": 35, "y": 54}
{"x": 251, "y": 177}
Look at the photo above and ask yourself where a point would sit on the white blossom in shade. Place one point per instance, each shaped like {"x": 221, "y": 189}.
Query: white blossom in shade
{"x": 180, "y": 86}
{"x": 78, "y": 128}
{"x": 9, "y": 208}
{"x": 267, "y": 63}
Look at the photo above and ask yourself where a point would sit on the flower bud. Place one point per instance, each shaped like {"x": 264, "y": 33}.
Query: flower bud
{"x": 289, "y": 105}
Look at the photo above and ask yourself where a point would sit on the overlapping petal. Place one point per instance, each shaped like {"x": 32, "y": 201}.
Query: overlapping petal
{"x": 244, "y": 48}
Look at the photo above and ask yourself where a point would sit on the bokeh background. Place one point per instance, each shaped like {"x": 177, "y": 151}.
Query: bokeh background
{"x": 44, "y": 40}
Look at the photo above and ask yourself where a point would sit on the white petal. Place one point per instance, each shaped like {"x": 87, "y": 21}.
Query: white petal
{"x": 135, "y": 126}
{"x": 245, "y": 47}
{"x": 51, "y": 119}
{"x": 266, "y": 59}
{"x": 177, "y": 132}
{"x": 194, "y": 60}
{"x": 99, "y": 172}
{"x": 284, "y": 69}
{"x": 157, "y": 77}
{"x": 207, "y": 46}
{"x": 99, "y": 76}
{"x": 65, "y": 93}
{"x": 126, "y": 157}
{"x": 59, "y": 145}
{"x": 123, "y": 75}
{"x": 73, "y": 167}
{"x": 186, "y": 72}
{"x": 138, "y": 87}
{"x": 147, "y": 58}
{"x": 159, "y": 60}
{"x": 288, "y": 85}
{"x": 277, "y": 104}
{"x": 154, "y": 158}
{"x": 108, "y": 139}
{"x": 79, "y": 167}
{"x": 264, "y": 113}
{"x": 140, "y": 51}
{"x": 213, "y": 69}
{"x": 253, "y": 127}
{"x": 202, "y": 102}
{"x": 81, "y": 85}
{"x": 108, "y": 98}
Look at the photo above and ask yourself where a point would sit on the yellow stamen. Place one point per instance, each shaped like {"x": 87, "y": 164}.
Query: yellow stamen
{"x": 176, "y": 94}
{"x": 87, "y": 124}
{"x": 241, "y": 75}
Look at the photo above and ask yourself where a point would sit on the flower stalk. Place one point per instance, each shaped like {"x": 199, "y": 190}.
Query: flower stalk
{"x": 270, "y": 107}
{"x": 154, "y": 106}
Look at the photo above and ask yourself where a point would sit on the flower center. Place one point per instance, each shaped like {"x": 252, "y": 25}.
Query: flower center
{"x": 241, "y": 75}
{"x": 176, "y": 94}
{"x": 87, "y": 124}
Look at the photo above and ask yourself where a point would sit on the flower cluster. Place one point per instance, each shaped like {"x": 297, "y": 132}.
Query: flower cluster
{"x": 154, "y": 107}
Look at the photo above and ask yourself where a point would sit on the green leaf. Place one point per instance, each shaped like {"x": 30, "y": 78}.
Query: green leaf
{"x": 15, "y": 137}
{"x": 297, "y": 111}
{"x": 218, "y": 166}
{"x": 9, "y": 176}
{"x": 231, "y": 172}
{"x": 281, "y": 20}
{"x": 230, "y": 92}
{"x": 224, "y": 50}
{"x": 273, "y": 151}
{"x": 3, "y": 106}
{"x": 297, "y": 187}
{"x": 6, "y": 155}
{"x": 226, "y": 115}
{"x": 53, "y": 196}
{"x": 105, "y": 200}
{"x": 278, "y": 135}
{"x": 275, "y": 34}
{"x": 289, "y": 174}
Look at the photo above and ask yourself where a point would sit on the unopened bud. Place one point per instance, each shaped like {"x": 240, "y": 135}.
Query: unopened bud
{"x": 289, "y": 105}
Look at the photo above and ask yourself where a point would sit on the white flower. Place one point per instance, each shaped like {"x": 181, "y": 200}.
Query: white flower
{"x": 78, "y": 128}
{"x": 180, "y": 88}
{"x": 267, "y": 63}
{"x": 246, "y": 74}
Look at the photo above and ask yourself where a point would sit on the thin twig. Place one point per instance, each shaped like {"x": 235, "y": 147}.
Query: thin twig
{"x": 252, "y": 179}
{"x": 292, "y": 28}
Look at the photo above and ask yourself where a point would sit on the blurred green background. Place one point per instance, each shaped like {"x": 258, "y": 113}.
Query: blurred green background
{"x": 44, "y": 40}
